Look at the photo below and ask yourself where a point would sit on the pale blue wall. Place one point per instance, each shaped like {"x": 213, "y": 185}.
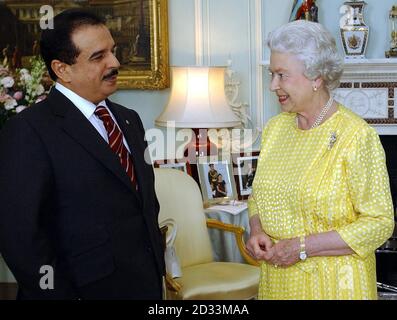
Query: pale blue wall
{"x": 150, "y": 103}
{"x": 229, "y": 37}
{"x": 375, "y": 16}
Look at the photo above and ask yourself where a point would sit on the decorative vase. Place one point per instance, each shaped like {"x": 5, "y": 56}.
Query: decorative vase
{"x": 353, "y": 30}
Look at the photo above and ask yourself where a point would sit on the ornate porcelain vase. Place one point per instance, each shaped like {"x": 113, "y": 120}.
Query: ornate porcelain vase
{"x": 353, "y": 30}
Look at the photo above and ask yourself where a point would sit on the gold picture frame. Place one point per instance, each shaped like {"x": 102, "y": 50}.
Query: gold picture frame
{"x": 139, "y": 28}
{"x": 157, "y": 76}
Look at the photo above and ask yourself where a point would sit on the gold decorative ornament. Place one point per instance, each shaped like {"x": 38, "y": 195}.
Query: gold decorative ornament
{"x": 392, "y": 53}
{"x": 354, "y": 42}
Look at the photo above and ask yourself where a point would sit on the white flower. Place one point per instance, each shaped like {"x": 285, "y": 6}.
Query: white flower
{"x": 24, "y": 71}
{"x": 10, "y": 104}
{"x": 7, "y": 82}
{"x": 26, "y": 77}
{"x": 39, "y": 90}
{"x": 20, "y": 108}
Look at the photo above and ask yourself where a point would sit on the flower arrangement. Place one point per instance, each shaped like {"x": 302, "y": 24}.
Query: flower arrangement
{"x": 21, "y": 88}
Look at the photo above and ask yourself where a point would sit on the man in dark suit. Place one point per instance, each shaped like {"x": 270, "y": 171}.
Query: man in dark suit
{"x": 78, "y": 205}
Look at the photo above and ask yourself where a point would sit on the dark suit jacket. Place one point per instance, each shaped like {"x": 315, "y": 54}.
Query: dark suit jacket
{"x": 66, "y": 202}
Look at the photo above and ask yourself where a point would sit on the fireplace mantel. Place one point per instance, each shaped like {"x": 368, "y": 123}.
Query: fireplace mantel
{"x": 382, "y": 69}
{"x": 369, "y": 88}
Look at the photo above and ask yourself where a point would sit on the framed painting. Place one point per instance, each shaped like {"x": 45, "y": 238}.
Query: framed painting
{"x": 216, "y": 179}
{"x": 245, "y": 168}
{"x": 139, "y": 28}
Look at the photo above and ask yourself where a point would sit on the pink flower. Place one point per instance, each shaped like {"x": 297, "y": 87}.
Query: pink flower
{"x": 18, "y": 95}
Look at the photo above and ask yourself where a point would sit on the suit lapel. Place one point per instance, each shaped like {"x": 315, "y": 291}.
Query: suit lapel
{"x": 80, "y": 129}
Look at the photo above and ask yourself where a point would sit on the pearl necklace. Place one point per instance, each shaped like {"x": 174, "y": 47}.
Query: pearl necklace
{"x": 321, "y": 115}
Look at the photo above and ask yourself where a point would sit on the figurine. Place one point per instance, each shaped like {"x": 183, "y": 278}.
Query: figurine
{"x": 304, "y": 9}
{"x": 36, "y": 48}
{"x": 6, "y": 55}
{"x": 314, "y": 12}
{"x": 16, "y": 58}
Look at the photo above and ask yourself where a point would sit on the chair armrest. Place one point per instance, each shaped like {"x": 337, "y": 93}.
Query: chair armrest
{"x": 170, "y": 283}
{"x": 238, "y": 233}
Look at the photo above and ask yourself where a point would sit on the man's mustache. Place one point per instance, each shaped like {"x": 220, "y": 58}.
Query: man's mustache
{"x": 113, "y": 72}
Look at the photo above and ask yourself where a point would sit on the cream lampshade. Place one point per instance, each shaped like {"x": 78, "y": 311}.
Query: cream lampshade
{"x": 198, "y": 99}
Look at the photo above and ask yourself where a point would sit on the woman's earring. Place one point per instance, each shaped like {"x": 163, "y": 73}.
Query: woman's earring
{"x": 315, "y": 88}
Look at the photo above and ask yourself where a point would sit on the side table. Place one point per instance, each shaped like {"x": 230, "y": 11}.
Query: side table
{"x": 224, "y": 244}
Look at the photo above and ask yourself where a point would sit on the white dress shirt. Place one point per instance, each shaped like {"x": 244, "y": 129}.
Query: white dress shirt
{"x": 87, "y": 108}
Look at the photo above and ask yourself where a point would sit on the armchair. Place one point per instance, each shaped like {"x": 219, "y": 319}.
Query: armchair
{"x": 202, "y": 277}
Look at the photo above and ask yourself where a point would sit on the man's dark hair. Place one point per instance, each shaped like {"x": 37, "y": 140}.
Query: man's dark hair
{"x": 57, "y": 43}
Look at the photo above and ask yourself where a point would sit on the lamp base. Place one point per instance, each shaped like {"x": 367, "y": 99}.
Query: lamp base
{"x": 199, "y": 146}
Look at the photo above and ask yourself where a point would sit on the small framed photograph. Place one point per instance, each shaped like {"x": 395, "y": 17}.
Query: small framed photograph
{"x": 174, "y": 164}
{"x": 216, "y": 179}
{"x": 244, "y": 171}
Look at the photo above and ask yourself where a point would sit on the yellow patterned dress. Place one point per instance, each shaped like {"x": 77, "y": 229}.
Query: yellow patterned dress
{"x": 332, "y": 177}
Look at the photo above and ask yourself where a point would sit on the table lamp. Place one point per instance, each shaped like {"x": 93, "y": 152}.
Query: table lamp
{"x": 198, "y": 101}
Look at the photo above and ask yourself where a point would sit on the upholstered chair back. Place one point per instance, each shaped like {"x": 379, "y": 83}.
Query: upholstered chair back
{"x": 185, "y": 206}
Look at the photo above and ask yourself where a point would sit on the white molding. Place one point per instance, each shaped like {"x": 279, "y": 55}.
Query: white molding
{"x": 259, "y": 107}
{"x": 202, "y": 32}
{"x": 371, "y": 69}
{"x": 208, "y": 32}
{"x": 198, "y": 24}
{"x": 362, "y": 67}
{"x": 250, "y": 59}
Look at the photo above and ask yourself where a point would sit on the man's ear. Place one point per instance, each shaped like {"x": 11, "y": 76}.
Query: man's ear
{"x": 61, "y": 69}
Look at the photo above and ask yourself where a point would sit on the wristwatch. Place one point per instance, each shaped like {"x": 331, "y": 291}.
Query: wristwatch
{"x": 302, "y": 252}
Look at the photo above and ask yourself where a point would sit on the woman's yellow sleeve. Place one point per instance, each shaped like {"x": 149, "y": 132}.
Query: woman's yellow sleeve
{"x": 369, "y": 190}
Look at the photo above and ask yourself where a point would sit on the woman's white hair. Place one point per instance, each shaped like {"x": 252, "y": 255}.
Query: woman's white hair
{"x": 311, "y": 43}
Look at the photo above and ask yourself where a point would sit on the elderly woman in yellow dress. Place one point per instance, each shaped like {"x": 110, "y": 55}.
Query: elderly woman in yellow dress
{"x": 321, "y": 201}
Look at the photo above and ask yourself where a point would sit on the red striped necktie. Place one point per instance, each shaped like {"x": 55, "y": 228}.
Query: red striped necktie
{"x": 116, "y": 143}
